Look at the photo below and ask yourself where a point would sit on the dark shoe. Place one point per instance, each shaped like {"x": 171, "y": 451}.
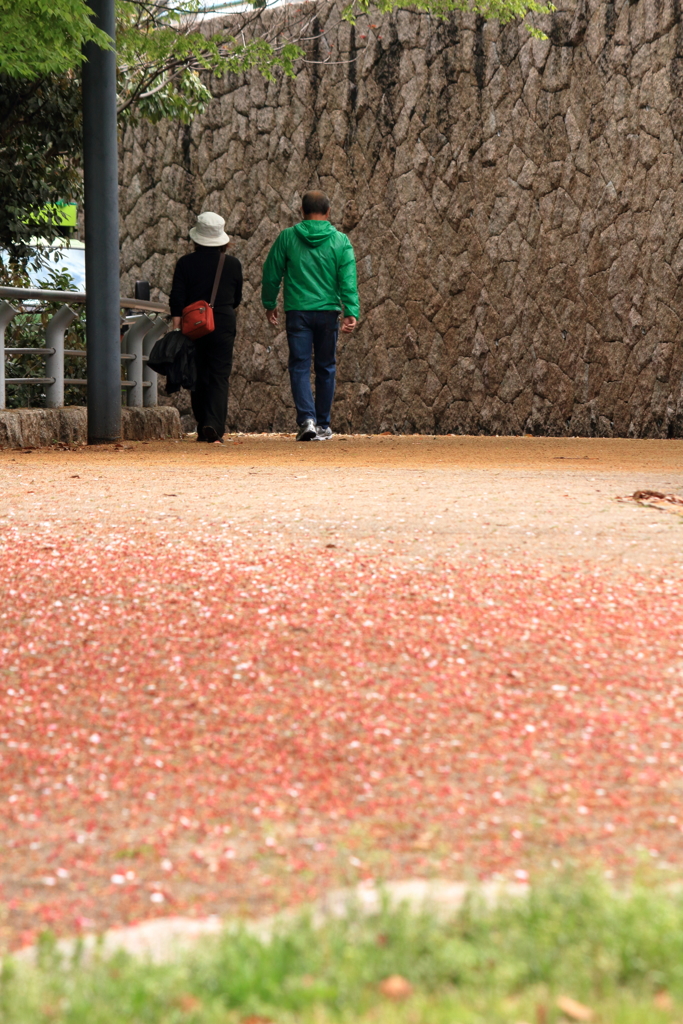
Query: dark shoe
{"x": 306, "y": 432}
{"x": 211, "y": 436}
{"x": 323, "y": 433}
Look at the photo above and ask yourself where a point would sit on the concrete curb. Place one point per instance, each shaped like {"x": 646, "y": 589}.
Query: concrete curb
{"x": 39, "y": 428}
{"x": 163, "y": 939}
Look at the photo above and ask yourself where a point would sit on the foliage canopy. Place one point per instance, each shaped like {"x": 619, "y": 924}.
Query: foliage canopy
{"x": 42, "y": 37}
{"x": 160, "y": 54}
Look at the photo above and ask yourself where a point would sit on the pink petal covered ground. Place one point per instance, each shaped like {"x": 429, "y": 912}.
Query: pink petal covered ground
{"x": 196, "y": 729}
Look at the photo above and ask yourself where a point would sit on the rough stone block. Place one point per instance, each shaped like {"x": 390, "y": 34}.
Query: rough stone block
{"x": 38, "y": 428}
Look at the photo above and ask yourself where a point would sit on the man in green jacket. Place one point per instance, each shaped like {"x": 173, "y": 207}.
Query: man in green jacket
{"x": 319, "y": 268}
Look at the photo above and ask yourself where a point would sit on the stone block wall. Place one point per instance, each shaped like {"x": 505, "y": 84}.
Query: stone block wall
{"x": 516, "y": 208}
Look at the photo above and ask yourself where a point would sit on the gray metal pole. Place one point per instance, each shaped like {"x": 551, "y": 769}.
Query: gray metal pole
{"x": 135, "y": 336}
{"x": 151, "y": 396}
{"x": 7, "y": 314}
{"x": 100, "y": 168}
{"x": 54, "y": 364}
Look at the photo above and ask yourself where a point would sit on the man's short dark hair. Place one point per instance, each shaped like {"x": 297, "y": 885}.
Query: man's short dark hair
{"x": 315, "y": 202}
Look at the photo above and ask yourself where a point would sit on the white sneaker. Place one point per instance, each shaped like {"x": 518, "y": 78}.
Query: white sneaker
{"x": 323, "y": 433}
{"x": 307, "y": 432}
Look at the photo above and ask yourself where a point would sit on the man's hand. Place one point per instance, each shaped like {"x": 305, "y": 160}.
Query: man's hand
{"x": 349, "y": 324}
{"x": 273, "y": 318}
{"x": 176, "y": 323}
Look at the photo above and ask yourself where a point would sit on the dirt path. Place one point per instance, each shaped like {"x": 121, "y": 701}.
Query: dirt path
{"x": 517, "y": 498}
{"x": 237, "y": 677}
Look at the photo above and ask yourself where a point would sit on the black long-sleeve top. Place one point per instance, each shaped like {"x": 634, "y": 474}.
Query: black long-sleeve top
{"x": 194, "y": 276}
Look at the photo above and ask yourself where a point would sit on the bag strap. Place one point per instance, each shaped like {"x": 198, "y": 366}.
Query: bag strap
{"x": 217, "y": 279}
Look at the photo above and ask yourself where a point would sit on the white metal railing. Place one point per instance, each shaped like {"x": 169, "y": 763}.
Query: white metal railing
{"x": 139, "y": 382}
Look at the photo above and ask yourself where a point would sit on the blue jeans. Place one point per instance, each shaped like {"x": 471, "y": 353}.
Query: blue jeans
{"x": 312, "y": 333}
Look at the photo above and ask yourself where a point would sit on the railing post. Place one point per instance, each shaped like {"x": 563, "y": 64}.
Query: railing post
{"x": 7, "y": 314}
{"x": 54, "y": 363}
{"x": 151, "y": 396}
{"x": 133, "y": 338}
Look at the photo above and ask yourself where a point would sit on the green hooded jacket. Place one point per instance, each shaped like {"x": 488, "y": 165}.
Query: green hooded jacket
{"x": 319, "y": 268}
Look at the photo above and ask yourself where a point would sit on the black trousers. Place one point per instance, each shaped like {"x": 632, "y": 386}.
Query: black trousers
{"x": 213, "y": 354}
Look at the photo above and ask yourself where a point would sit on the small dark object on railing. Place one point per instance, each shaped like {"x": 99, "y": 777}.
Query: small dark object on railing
{"x": 142, "y": 291}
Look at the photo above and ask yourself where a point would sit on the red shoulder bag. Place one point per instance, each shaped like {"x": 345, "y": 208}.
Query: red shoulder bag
{"x": 197, "y": 319}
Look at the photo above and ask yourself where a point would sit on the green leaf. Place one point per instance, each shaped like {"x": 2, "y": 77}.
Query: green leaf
{"x": 40, "y": 38}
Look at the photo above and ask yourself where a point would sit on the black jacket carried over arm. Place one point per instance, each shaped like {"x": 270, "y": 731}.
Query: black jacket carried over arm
{"x": 194, "y": 276}
{"x": 173, "y": 356}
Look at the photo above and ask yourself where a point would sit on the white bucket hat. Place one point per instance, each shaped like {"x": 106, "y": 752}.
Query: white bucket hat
{"x": 209, "y": 230}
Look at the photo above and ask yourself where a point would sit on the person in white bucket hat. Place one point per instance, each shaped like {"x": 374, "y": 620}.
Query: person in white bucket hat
{"x": 193, "y": 281}
{"x": 209, "y": 230}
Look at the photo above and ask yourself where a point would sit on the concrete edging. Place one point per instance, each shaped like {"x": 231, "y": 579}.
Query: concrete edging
{"x": 162, "y": 939}
{"x": 39, "y": 428}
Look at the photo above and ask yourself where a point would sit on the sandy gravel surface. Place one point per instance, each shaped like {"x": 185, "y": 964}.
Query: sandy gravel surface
{"x": 234, "y": 678}
{"x": 518, "y": 498}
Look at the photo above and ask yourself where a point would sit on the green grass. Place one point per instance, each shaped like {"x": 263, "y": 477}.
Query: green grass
{"x": 504, "y": 965}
